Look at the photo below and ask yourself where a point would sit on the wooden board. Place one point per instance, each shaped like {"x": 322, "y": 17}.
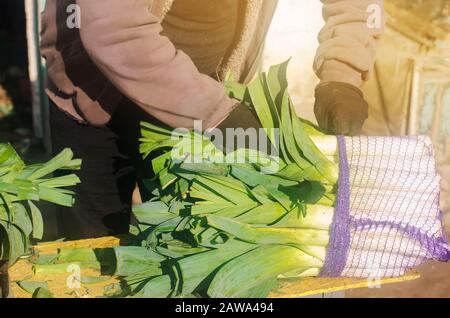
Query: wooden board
{"x": 293, "y": 288}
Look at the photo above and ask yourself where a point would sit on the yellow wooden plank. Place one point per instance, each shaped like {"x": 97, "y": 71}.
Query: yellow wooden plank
{"x": 49, "y": 248}
{"x": 58, "y": 283}
{"x": 314, "y": 286}
{"x": 292, "y": 288}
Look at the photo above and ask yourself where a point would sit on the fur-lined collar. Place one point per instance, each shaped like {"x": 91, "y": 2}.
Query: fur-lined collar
{"x": 160, "y": 7}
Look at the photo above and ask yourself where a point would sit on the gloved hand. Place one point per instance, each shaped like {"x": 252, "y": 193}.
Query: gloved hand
{"x": 243, "y": 117}
{"x": 340, "y": 108}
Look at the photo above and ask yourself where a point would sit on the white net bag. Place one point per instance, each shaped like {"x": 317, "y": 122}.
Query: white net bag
{"x": 387, "y": 218}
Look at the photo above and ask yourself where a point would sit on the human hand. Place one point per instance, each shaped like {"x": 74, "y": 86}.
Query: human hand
{"x": 340, "y": 108}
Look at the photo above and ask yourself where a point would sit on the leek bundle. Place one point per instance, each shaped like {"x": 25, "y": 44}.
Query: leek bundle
{"x": 20, "y": 185}
{"x": 232, "y": 224}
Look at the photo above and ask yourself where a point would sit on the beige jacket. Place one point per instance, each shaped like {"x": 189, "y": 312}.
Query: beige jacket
{"x": 347, "y": 42}
{"x": 118, "y": 52}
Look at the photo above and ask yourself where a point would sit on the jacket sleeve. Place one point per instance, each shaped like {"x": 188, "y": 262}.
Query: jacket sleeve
{"x": 348, "y": 40}
{"x": 123, "y": 39}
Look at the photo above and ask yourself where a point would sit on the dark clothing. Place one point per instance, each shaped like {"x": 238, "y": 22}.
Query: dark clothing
{"x": 111, "y": 164}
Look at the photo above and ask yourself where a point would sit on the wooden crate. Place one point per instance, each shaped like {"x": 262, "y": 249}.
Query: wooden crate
{"x": 292, "y": 288}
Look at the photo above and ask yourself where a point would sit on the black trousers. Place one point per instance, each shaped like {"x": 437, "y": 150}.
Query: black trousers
{"x": 111, "y": 168}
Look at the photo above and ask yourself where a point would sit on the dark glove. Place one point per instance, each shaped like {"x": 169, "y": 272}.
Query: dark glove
{"x": 340, "y": 108}
{"x": 242, "y": 117}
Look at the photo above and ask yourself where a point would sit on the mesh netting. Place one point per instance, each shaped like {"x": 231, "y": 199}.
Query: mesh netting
{"x": 387, "y": 216}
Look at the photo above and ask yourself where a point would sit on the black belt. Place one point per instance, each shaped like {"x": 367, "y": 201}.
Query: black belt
{"x": 55, "y": 90}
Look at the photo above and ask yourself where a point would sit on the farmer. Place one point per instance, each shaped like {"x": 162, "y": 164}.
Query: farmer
{"x": 114, "y": 63}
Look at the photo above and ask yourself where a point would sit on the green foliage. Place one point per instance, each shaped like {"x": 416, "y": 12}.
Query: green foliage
{"x": 219, "y": 228}
{"x": 20, "y": 185}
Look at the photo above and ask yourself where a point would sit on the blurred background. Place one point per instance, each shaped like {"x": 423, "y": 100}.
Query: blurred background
{"x": 408, "y": 93}
{"x": 15, "y": 88}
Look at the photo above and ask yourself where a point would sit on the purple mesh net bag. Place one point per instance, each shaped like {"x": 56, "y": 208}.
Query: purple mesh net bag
{"x": 387, "y": 217}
